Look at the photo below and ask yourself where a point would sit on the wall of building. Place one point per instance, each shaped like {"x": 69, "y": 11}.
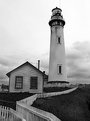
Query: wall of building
{"x": 26, "y": 71}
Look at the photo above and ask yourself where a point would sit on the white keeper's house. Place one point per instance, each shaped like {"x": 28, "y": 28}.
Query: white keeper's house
{"x": 26, "y": 78}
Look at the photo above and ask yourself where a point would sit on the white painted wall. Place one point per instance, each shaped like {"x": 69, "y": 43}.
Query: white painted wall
{"x": 26, "y": 71}
{"x": 33, "y": 114}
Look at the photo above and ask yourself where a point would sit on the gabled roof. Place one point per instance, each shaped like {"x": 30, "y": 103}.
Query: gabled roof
{"x": 26, "y": 63}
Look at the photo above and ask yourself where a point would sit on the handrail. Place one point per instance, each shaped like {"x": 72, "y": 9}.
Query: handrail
{"x": 37, "y": 112}
{"x": 56, "y": 93}
{"x": 17, "y": 114}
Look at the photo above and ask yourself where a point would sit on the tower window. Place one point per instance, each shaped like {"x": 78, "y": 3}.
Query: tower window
{"x": 59, "y": 67}
{"x": 59, "y": 40}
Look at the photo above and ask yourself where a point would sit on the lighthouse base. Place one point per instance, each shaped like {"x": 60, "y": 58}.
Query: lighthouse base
{"x": 57, "y": 83}
{"x": 56, "y": 86}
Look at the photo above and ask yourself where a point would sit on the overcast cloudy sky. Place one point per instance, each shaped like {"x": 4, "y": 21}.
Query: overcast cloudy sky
{"x": 25, "y": 35}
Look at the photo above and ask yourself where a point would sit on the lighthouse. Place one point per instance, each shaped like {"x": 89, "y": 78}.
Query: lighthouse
{"x": 57, "y": 60}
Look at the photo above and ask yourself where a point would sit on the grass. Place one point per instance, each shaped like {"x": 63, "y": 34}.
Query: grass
{"x": 74, "y": 106}
{"x": 9, "y": 99}
{"x": 55, "y": 89}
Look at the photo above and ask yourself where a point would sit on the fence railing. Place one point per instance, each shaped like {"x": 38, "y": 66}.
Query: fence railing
{"x": 8, "y": 114}
{"x": 44, "y": 95}
{"x": 25, "y": 112}
{"x": 33, "y": 114}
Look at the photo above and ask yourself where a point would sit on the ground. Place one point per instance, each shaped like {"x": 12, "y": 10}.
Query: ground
{"x": 9, "y": 99}
{"x": 74, "y": 106}
{"x": 55, "y": 89}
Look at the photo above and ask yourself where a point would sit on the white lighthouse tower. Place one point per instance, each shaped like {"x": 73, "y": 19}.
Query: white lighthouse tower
{"x": 57, "y": 64}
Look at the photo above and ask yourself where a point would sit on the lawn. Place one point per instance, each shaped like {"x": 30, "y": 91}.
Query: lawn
{"x": 54, "y": 89}
{"x": 74, "y": 106}
{"x": 9, "y": 99}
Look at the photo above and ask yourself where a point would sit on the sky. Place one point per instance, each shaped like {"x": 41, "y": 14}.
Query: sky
{"x": 25, "y": 35}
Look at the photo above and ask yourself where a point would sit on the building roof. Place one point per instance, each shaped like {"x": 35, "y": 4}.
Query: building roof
{"x": 57, "y": 9}
{"x": 26, "y": 63}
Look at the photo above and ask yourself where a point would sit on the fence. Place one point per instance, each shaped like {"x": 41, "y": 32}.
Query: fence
{"x": 25, "y": 112}
{"x": 33, "y": 114}
{"x": 8, "y": 114}
{"x": 44, "y": 95}
{"x": 28, "y": 112}
{"x": 29, "y": 101}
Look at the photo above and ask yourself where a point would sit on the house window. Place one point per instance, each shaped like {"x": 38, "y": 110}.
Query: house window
{"x": 18, "y": 82}
{"x": 59, "y": 40}
{"x": 34, "y": 83}
{"x": 59, "y": 68}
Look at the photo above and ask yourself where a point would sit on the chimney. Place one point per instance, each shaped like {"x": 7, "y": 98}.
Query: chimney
{"x": 44, "y": 72}
{"x": 38, "y": 64}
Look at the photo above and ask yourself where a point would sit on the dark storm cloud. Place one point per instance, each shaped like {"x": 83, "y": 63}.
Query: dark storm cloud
{"x": 78, "y": 61}
{"x": 44, "y": 62}
{"x": 78, "y": 75}
{"x": 4, "y": 62}
{"x": 7, "y": 63}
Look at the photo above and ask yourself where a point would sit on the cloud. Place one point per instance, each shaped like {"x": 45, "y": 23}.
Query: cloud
{"x": 78, "y": 61}
{"x": 6, "y": 64}
{"x": 77, "y": 56}
{"x": 45, "y": 62}
{"x": 9, "y": 62}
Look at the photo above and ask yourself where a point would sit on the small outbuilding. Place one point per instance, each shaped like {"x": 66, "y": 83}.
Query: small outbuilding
{"x": 26, "y": 78}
